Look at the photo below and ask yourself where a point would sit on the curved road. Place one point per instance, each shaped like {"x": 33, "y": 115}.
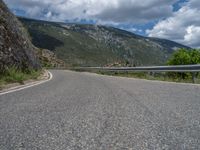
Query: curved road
{"x": 88, "y": 111}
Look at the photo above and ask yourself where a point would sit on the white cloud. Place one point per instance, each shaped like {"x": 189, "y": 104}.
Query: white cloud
{"x": 193, "y": 36}
{"x": 183, "y": 26}
{"x": 131, "y": 29}
{"x": 118, "y": 11}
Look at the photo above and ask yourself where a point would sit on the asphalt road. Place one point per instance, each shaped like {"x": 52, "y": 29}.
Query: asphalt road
{"x": 88, "y": 111}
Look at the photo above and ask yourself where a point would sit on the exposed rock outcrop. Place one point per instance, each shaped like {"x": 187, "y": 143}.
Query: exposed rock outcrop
{"x": 15, "y": 47}
{"x": 49, "y": 59}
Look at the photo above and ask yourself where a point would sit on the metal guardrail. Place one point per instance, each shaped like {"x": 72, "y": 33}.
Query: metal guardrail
{"x": 180, "y": 68}
{"x": 194, "y": 69}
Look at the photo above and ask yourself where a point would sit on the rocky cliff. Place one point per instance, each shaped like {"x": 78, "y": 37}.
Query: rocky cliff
{"x": 49, "y": 59}
{"x": 16, "y": 50}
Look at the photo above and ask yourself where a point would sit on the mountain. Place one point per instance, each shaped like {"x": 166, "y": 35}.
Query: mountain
{"x": 95, "y": 45}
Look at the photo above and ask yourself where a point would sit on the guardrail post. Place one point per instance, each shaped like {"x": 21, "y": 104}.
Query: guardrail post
{"x": 152, "y": 73}
{"x": 194, "y": 77}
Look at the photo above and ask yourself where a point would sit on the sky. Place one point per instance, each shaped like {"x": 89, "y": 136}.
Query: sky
{"x": 177, "y": 20}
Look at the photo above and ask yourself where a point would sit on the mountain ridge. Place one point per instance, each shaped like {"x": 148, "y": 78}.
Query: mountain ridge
{"x": 97, "y": 45}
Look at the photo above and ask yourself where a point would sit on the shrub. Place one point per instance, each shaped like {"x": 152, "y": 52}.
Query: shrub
{"x": 184, "y": 57}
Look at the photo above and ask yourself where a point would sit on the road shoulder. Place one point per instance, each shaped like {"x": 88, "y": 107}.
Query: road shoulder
{"x": 9, "y": 88}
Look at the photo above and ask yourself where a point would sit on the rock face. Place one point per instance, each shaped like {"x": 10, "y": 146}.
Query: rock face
{"x": 49, "y": 59}
{"x": 16, "y": 50}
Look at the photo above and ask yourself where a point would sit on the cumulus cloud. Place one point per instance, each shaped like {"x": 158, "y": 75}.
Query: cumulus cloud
{"x": 192, "y": 36}
{"x": 131, "y": 29}
{"x": 117, "y": 11}
{"x": 183, "y": 26}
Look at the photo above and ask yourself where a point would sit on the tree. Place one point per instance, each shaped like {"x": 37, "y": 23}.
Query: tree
{"x": 184, "y": 57}
{"x": 180, "y": 57}
{"x": 194, "y": 56}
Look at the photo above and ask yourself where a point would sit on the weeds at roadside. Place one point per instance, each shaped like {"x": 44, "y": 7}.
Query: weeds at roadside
{"x": 153, "y": 76}
{"x": 14, "y": 75}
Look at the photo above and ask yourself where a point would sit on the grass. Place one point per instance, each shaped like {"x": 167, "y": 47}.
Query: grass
{"x": 13, "y": 75}
{"x": 170, "y": 77}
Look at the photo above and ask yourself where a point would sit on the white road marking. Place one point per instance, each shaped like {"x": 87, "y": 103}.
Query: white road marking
{"x": 22, "y": 87}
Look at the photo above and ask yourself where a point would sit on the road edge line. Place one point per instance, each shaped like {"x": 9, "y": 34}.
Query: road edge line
{"x": 22, "y": 87}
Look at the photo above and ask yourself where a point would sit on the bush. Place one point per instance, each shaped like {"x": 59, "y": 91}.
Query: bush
{"x": 194, "y": 56}
{"x": 184, "y": 57}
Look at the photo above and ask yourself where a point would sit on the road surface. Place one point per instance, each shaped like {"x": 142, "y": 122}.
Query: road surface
{"x": 88, "y": 111}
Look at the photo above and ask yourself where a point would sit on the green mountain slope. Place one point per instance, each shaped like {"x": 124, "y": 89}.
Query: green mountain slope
{"x": 92, "y": 45}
